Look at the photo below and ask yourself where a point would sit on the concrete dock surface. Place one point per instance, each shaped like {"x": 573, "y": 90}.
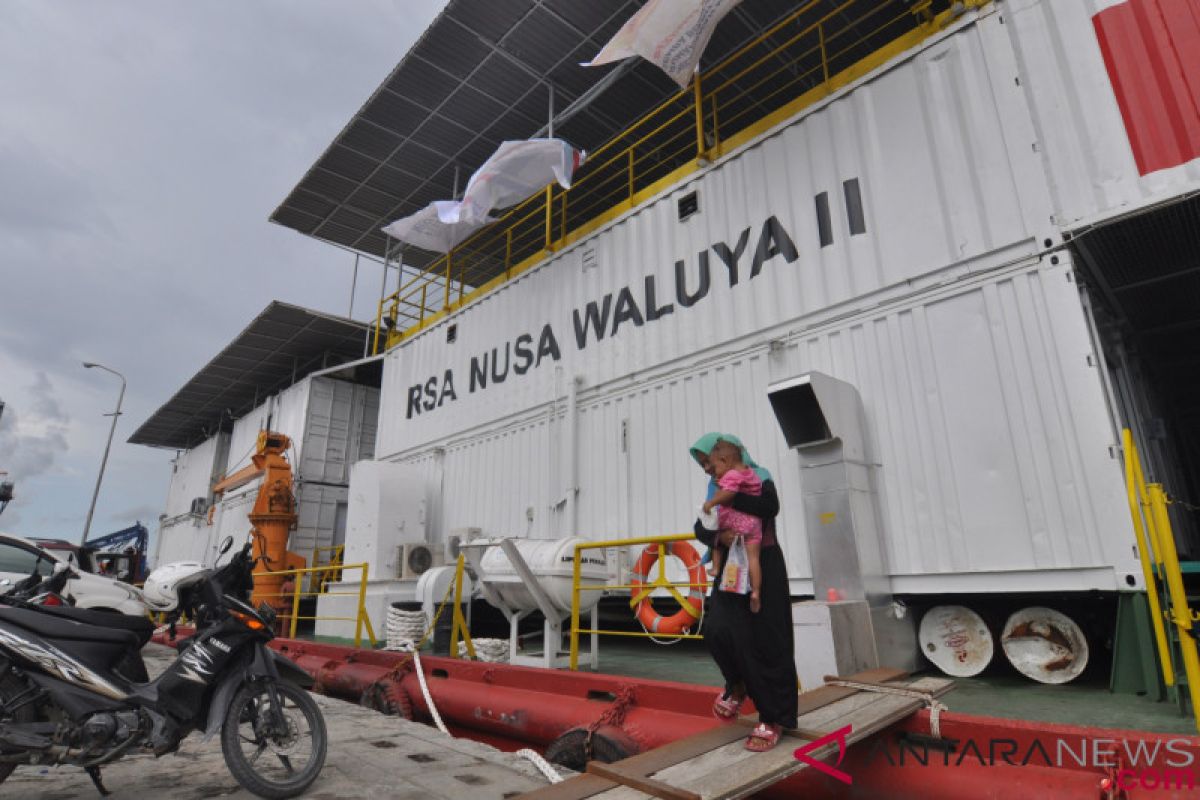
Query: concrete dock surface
{"x": 370, "y": 756}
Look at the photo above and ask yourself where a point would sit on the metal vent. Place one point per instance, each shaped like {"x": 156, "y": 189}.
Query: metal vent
{"x": 689, "y": 204}
{"x": 451, "y": 333}
{"x": 589, "y": 259}
{"x": 824, "y": 224}
{"x": 854, "y": 207}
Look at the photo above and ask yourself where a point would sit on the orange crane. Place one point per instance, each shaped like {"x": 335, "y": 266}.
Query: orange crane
{"x": 273, "y": 515}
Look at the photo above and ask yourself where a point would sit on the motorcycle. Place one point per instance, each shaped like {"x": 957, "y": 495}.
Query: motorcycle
{"x": 64, "y": 700}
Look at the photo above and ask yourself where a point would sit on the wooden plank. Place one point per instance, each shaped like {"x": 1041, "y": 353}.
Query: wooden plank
{"x": 681, "y": 750}
{"x": 750, "y": 772}
{"x": 641, "y": 783}
{"x": 576, "y": 788}
{"x": 731, "y": 771}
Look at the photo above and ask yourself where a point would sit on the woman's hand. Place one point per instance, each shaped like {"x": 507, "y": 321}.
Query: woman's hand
{"x": 708, "y": 507}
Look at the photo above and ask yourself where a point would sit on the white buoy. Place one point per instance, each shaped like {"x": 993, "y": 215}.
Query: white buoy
{"x": 956, "y": 640}
{"x": 1045, "y": 645}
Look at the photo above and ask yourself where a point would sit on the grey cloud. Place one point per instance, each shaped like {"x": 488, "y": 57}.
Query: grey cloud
{"x": 41, "y": 440}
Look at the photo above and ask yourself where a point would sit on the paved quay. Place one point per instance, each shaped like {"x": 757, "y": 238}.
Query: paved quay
{"x": 370, "y": 756}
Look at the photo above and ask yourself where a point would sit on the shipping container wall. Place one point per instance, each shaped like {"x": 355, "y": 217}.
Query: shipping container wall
{"x": 322, "y": 519}
{"x": 185, "y": 538}
{"x": 192, "y": 473}
{"x": 231, "y": 516}
{"x": 287, "y": 413}
{"x": 984, "y": 414}
{"x": 923, "y": 174}
{"x": 1115, "y": 110}
{"x": 340, "y": 429}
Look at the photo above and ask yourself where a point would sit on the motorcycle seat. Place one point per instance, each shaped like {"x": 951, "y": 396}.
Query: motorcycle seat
{"x": 141, "y": 627}
{"x": 47, "y": 626}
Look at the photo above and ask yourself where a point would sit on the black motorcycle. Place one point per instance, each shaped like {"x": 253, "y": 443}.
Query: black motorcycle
{"x": 66, "y": 698}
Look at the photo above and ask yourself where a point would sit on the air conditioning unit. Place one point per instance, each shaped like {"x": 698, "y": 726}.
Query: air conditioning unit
{"x": 417, "y": 558}
{"x": 457, "y": 538}
{"x": 199, "y": 506}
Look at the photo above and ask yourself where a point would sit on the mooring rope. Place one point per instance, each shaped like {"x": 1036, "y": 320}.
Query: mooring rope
{"x": 936, "y": 707}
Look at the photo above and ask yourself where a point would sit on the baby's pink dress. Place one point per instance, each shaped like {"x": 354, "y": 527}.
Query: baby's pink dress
{"x": 729, "y": 519}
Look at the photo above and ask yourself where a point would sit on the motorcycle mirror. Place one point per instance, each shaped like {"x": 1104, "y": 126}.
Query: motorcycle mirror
{"x": 225, "y": 545}
{"x": 5, "y": 582}
{"x": 60, "y": 567}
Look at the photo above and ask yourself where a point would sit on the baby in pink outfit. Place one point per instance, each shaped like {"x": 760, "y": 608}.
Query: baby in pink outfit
{"x": 732, "y": 477}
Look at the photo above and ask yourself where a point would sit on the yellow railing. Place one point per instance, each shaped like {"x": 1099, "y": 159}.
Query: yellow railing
{"x": 292, "y": 617}
{"x": 330, "y": 571}
{"x": 1160, "y": 563}
{"x": 795, "y": 63}
{"x": 644, "y": 590}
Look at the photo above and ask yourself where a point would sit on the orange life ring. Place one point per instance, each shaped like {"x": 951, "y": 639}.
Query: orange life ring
{"x": 687, "y": 616}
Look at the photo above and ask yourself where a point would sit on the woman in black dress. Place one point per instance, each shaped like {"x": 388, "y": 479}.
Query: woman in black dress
{"x": 754, "y": 651}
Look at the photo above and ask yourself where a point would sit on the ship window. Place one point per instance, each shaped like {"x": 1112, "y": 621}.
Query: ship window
{"x": 824, "y": 226}
{"x": 451, "y": 333}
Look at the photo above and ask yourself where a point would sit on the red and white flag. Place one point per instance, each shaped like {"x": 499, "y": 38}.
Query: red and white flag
{"x": 424, "y": 230}
{"x": 669, "y": 33}
{"x": 514, "y": 172}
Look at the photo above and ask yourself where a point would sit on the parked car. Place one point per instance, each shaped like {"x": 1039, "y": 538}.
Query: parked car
{"x": 19, "y": 557}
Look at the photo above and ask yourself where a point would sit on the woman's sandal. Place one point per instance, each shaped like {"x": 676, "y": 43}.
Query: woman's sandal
{"x": 726, "y": 707}
{"x": 763, "y": 738}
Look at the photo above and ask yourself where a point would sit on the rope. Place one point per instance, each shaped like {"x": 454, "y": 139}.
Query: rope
{"x": 408, "y": 645}
{"x": 936, "y": 707}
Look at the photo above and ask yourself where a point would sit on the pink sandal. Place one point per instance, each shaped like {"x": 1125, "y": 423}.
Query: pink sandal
{"x": 763, "y": 738}
{"x": 726, "y": 707}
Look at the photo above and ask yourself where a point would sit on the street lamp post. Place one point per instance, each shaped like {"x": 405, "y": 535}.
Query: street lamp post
{"x": 103, "y": 462}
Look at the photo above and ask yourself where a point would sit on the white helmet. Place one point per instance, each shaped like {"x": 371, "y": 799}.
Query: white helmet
{"x": 163, "y": 584}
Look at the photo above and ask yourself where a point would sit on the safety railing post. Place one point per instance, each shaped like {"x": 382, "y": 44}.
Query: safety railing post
{"x": 1135, "y": 491}
{"x": 446, "y": 299}
{"x": 698, "y": 101}
{"x": 362, "y": 607}
{"x": 824, "y": 56}
{"x": 631, "y": 192}
{"x": 378, "y": 327}
{"x": 1181, "y": 613}
{"x": 424, "y": 289}
{"x": 549, "y": 216}
{"x": 575, "y": 573}
{"x": 508, "y": 234}
{"x": 295, "y": 605}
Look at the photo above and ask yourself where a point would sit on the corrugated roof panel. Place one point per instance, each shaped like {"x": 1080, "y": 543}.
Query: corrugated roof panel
{"x": 373, "y": 202}
{"x": 501, "y": 80}
{"x": 423, "y": 82}
{"x": 330, "y": 186}
{"x": 371, "y": 140}
{"x": 471, "y": 108}
{"x": 310, "y": 203}
{"x": 397, "y": 114}
{"x": 417, "y": 159}
{"x": 493, "y": 18}
{"x": 541, "y": 41}
{"x": 457, "y": 50}
{"x": 348, "y": 164}
{"x": 282, "y": 344}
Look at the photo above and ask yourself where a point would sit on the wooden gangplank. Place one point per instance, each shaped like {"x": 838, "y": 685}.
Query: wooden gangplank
{"x": 715, "y": 765}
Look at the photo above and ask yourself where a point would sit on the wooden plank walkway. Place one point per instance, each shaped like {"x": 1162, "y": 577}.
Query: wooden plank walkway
{"x": 715, "y": 765}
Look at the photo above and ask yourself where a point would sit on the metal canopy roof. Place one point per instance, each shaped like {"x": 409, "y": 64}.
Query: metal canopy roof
{"x": 282, "y": 345}
{"x": 478, "y": 76}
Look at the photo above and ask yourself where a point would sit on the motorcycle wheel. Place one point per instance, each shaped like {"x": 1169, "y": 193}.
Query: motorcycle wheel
{"x": 12, "y": 686}
{"x": 274, "y": 761}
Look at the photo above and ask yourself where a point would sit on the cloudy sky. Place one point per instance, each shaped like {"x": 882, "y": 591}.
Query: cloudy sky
{"x": 143, "y": 144}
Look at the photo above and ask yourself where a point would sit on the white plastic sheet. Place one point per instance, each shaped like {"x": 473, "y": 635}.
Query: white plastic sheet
{"x": 671, "y": 34}
{"x": 515, "y": 171}
{"x": 425, "y": 230}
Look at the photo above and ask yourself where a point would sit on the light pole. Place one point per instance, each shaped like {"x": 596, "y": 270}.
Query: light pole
{"x": 104, "y": 462}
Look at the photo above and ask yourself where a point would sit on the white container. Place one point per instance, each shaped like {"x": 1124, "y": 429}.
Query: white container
{"x": 552, "y": 561}
{"x": 956, "y": 640}
{"x": 193, "y": 472}
{"x": 971, "y": 352}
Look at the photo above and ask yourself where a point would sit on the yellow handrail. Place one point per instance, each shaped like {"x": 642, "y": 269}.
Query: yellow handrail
{"x": 1152, "y": 523}
{"x": 756, "y": 87}
{"x": 660, "y": 582}
{"x": 360, "y": 619}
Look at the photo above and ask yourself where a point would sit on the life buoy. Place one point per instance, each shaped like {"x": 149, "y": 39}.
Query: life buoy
{"x": 687, "y": 616}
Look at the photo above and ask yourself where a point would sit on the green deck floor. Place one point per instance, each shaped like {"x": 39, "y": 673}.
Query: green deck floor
{"x": 995, "y": 693}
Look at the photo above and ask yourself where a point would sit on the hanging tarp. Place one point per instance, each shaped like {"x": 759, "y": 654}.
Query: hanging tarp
{"x": 515, "y": 171}
{"x": 424, "y": 230}
{"x": 669, "y": 33}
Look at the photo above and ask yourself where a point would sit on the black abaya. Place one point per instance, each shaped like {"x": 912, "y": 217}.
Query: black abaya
{"x": 756, "y": 650}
